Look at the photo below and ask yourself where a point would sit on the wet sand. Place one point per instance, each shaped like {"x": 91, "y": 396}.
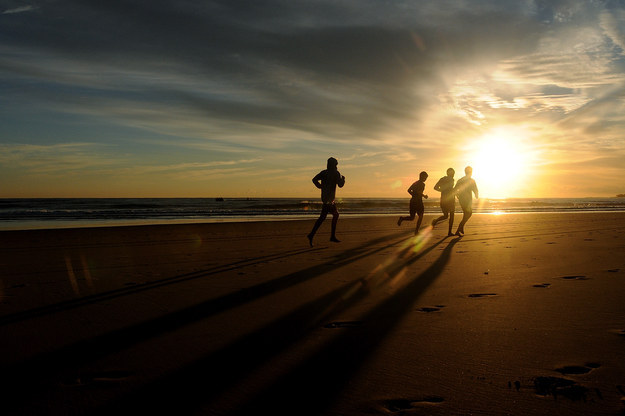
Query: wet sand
{"x": 525, "y": 314}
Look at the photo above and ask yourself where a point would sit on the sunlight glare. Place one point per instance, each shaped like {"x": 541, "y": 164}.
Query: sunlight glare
{"x": 501, "y": 161}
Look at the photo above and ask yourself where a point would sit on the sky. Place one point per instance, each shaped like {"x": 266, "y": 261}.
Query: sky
{"x": 249, "y": 98}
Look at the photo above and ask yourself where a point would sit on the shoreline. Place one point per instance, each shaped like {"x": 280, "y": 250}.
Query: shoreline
{"x": 71, "y": 224}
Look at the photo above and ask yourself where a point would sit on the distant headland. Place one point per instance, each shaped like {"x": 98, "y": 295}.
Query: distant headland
{"x": 620, "y": 195}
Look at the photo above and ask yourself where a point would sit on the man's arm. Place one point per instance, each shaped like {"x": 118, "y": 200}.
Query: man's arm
{"x": 477, "y": 196}
{"x": 316, "y": 180}
{"x": 411, "y": 190}
{"x": 437, "y": 187}
{"x": 341, "y": 180}
{"x": 457, "y": 189}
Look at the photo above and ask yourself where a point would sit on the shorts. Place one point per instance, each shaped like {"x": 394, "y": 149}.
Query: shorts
{"x": 416, "y": 207}
{"x": 448, "y": 204}
{"x": 466, "y": 205}
{"x": 329, "y": 208}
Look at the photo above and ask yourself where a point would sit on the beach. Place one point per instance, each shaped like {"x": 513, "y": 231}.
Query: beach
{"x": 523, "y": 315}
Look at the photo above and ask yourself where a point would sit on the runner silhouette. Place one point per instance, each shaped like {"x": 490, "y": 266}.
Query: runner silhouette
{"x": 416, "y": 202}
{"x": 327, "y": 180}
{"x": 445, "y": 186}
{"x": 464, "y": 189}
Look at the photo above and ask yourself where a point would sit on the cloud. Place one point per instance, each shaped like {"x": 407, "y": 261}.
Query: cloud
{"x": 179, "y": 84}
{"x": 613, "y": 24}
{"x": 606, "y": 109}
{"x": 63, "y": 158}
{"x": 21, "y": 9}
{"x": 191, "y": 167}
{"x": 353, "y": 73}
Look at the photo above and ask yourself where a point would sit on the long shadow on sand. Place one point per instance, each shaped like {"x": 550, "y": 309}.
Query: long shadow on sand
{"x": 48, "y": 365}
{"x": 320, "y": 379}
{"x": 322, "y": 376}
{"x": 125, "y": 291}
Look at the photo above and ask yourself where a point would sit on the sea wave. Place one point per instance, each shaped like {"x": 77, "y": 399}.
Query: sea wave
{"x": 83, "y": 210}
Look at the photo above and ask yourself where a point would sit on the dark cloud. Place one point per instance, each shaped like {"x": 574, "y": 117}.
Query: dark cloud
{"x": 291, "y": 56}
{"x": 556, "y": 90}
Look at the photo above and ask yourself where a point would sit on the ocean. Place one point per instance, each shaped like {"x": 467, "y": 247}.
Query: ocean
{"x": 22, "y": 214}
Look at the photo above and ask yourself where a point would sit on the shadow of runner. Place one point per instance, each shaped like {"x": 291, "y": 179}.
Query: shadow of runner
{"x": 126, "y": 291}
{"x": 180, "y": 392}
{"x": 70, "y": 358}
{"x": 314, "y": 385}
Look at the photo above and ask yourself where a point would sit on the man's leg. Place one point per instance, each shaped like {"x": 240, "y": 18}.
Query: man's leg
{"x": 466, "y": 214}
{"x": 335, "y": 219}
{"x": 413, "y": 212}
{"x": 416, "y": 231}
{"x": 451, "y": 221}
{"x": 420, "y": 210}
{"x": 439, "y": 219}
{"x": 406, "y": 218}
{"x": 322, "y": 217}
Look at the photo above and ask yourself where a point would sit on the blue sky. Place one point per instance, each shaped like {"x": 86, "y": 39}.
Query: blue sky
{"x": 249, "y": 98}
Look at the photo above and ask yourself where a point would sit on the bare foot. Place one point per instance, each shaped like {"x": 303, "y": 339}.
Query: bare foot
{"x": 399, "y": 220}
{"x": 335, "y": 240}
{"x": 310, "y": 238}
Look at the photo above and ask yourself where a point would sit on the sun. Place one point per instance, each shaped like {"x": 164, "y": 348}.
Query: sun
{"x": 502, "y": 162}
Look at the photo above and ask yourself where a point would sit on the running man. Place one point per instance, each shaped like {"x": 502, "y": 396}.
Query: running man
{"x": 327, "y": 180}
{"x": 464, "y": 189}
{"x": 416, "y": 202}
{"x": 445, "y": 186}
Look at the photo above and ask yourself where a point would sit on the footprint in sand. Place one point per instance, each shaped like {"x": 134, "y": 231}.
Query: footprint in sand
{"x": 619, "y": 332}
{"x": 402, "y": 405}
{"x": 343, "y": 324}
{"x": 98, "y": 378}
{"x": 17, "y": 286}
{"x": 557, "y": 386}
{"x": 481, "y": 295}
{"x": 578, "y": 369}
{"x": 543, "y": 285}
{"x": 614, "y": 270}
{"x": 574, "y": 277}
{"x": 429, "y": 309}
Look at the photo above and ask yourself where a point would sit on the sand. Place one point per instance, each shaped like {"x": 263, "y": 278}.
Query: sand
{"x": 524, "y": 315}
